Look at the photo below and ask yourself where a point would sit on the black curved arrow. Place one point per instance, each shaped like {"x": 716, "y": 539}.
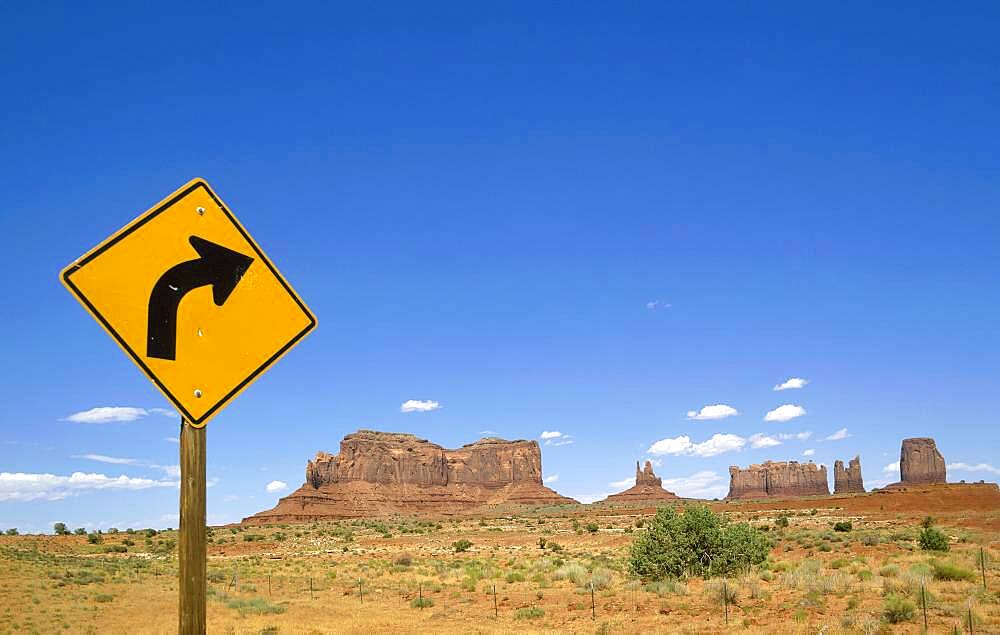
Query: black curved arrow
{"x": 220, "y": 267}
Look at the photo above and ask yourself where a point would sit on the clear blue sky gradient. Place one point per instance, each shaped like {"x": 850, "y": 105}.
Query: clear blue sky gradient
{"x": 479, "y": 202}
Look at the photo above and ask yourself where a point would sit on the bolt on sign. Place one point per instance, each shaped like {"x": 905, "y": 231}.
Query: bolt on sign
{"x": 192, "y": 299}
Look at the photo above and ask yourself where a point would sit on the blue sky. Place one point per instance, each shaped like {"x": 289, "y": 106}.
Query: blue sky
{"x": 582, "y": 219}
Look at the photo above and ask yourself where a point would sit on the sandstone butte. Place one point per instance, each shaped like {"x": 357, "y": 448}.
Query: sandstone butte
{"x": 778, "y": 479}
{"x": 920, "y": 463}
{"x": 648, "y": 487}
{"x": 848, "y": 481}
{"x": 385, "y": 473}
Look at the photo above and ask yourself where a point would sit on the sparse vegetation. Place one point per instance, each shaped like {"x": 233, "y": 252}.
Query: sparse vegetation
{"x": 461, "y": 545}
{"x": 933, "y": 540}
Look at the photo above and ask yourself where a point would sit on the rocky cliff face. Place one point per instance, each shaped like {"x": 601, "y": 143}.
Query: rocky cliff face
{"x": 920, "y": 462}
{"x": 648, "y": 487}
{"x": 382, "y": 473}
{"x": 778, "y": 479}
{"x": 848, "y": 481}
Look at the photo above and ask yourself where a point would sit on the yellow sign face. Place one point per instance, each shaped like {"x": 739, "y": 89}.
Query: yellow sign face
{"x": 192, "y": 299}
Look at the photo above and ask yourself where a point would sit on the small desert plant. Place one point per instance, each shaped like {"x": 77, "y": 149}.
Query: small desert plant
{"x": 461, "y": 545}
{"x": 403, "y": 560}
{"x": 422, "y": 603}
{"x": 948, "y": 571}
{"x": 103, "y": 597}
{"x": 896, "y": 609}
{"x": 592, "y": 528}
{"x": 572, "y": 571}
{"x": 933, "y": 540}
{"x": 782, "y": 521}
{"x": 529, "y": 613}
{"x": 842, "y": 526}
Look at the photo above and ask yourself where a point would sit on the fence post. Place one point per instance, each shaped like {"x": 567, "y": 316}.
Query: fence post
{"x": 593, "y": 610}
{"x": 982, "y": 565}
{"x": 923, "y": 601}
{"x": 970, "y": 619}
{"x": 420, "y": 595}
{"x": 310, "y": 588}
{"x": 496, "y": 610}
{"x": 361, "y": 593}
{"x": 725, "y": 597}
{"x": 268, "y": 586}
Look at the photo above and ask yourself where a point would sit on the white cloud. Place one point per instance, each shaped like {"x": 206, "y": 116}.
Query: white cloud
{"x": 489, "y": 433}
{"x": 809, "y": 452}
{"x": 792, "y": 383}
{"x": 718, "y": 444}
{"x": 106, "y": 459}
{"x": 551, "y": 478}
{"x": 978, "y": 467}
{"x": 798, "y": 436}
{"x": 717, "y": 411}
{"x": 555, "y": 438}
{"x": 19, "y": 486}
{"x": 172, "y": 471}
{"x": 786, "y": 412}
{"x": 109, "y": 414}
{"x": 590, "y": 498}
{"x": 656, "y": 304}
{"x": 705, "y": 484}
{"x": 416, "y": 405}
{"x": 624, "y": 483}
{"x": 276, "y": 486}
{"x": 677, "y": 445}
{"x": 556, "y": 444}
{"x": 838, "y": 435}
{"x": 172, "y": 439}
{"x": 762, "y": 441}
{"x": 892, "y": 468}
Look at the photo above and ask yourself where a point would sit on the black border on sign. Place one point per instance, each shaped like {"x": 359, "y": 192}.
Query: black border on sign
{"x": 138, "y": 359}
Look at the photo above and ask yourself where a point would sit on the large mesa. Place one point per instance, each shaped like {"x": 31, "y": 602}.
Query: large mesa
{"x": 381, "y": 473}
{"x": 782, "y": 479}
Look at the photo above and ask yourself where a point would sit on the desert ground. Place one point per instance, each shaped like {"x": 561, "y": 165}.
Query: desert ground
{"x": 558, "y": 569}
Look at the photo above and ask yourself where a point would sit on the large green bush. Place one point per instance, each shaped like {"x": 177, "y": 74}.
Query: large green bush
{"x": 695, "y": 542}
{"x": 933, "y": 540}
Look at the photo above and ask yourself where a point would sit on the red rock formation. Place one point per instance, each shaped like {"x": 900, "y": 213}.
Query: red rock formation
{"x": 848, "y": 481}
{"x": 778, "y": 479}
{"x": 920, "y": 462}
{"x": 378, "y": 473}
{"x": 648, "y": 487}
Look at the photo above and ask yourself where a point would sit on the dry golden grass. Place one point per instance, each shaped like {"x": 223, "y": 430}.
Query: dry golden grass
{"x": 260, "y": 578}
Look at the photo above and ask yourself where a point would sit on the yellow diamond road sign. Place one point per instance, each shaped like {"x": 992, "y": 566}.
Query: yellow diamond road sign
{"x": 192, "y": 299}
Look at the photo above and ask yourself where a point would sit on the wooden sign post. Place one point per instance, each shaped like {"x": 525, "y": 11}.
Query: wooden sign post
{"x": 191, "y": 550}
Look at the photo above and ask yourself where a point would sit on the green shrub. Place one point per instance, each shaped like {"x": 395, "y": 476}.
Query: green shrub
{"x": 948, "y": 571}
{"x": 12, "y": 531}
{"x": 60, "y": 529}
{"x": 514, "y": 576}
{"x": 572, "y": 571}
{"x": 663, "y": 587}
{"x": 461, "y": 545}
{"x": 80, "y": 531}
{"x": 115, "y": 549}
{"x": 592, "y": 528}
{"x": 254, "y": 606}
{"x": 529, "y": 613}
{"x": 421, "y": 603}
{"x": 782, "y": 521}
{"x": 870, "y": 540}
{"x": 843, "y": 526}
{"x": 933, "y": 540}
{"x": 889, "y": 571}
{"x": 94, "y": 538}
{"x": 103, "y": 597}
{"x": 896, "y": 609}
{"x": 696, "y": 541}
